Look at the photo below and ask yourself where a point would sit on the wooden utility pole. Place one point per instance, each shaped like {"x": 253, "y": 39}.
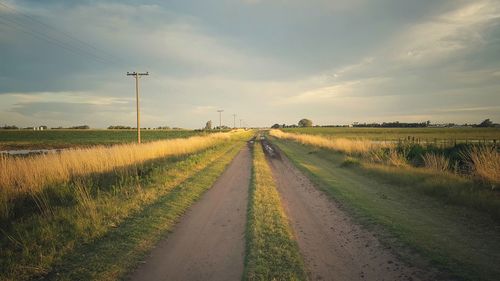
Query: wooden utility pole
{"x": 137, "y": 75}
{"x": 220, "y": 118}
{"x": 234, "y": 121}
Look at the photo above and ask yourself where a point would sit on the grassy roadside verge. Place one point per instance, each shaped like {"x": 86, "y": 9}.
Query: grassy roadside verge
{"x": 32, "y": 245}
{"x": 115, "y": 254}
{"x": 459, "y": 240}
{"x": 272, "y": 252}
{"x": 471, "y": 182}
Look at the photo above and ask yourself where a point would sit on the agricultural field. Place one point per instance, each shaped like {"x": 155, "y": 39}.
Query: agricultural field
{"x": 310, "y": 207}
{"x": 55, "y": 139}
{"x": 397, "y": 134}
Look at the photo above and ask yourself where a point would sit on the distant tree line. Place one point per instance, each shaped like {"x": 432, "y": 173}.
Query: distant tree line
{"x": 395, "y": 124}
{"x": 302, "y": 123}
{"x": 120, "y": 127}
{"x": 487, "y": 123}
{"x": 80, "y": 127}
{"x": 9, "y": 127}
{"x": 209, "y": 126}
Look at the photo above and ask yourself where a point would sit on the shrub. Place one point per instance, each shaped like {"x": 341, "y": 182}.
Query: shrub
{"x": 485, "y": 163}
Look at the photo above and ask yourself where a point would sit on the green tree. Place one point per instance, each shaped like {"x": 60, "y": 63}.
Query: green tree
{"x": 305, "y": 123}
{"x": 208, "y": 126}
{"x": 275, "y": 126}
{"x": 486, "y": 123}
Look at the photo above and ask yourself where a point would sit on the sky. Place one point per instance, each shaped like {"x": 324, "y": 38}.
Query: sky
{"x": 64, "y": 63}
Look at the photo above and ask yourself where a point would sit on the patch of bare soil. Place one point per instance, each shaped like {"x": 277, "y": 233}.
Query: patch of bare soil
{"x": 332, "y": 245}
{"x": 208, "y": 243}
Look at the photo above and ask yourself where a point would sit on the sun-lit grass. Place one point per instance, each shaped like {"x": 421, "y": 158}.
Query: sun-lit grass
{"x": 21, "y": 176}
{"x": 272, "y": 253}
{"x": 349, "y": 146}
{"x": 436, "y": 162}
{"x": 485, "y": 162}
{"x": 88, "y": 208}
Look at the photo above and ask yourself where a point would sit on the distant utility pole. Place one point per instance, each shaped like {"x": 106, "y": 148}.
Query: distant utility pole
{"x": 137, "y": 76}
{"x": 234, "y": 121}
{"x": 220, "y": 118}
{"x": 240, "y": 122}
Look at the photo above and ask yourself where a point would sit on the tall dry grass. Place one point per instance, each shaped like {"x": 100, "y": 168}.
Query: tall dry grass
{"x": 436, "y": 162}
{"x": 349, "y": 146}
{"x": 28, "y": 175}
{"x": 485, "y": 163}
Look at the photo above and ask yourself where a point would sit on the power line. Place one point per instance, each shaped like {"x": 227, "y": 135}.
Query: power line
{"x": 48, "y": 39}
{"x": 34, "y": 20}
{"x": 69, "y": 45}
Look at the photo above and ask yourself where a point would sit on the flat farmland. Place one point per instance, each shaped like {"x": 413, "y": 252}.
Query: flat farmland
{"x": 394, "y": 134}
{"x": 50, "y": 139}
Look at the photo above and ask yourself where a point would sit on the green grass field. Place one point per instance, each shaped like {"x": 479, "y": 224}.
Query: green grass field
{"x": 26, "y": 139}
{"x": 394, "y": 134}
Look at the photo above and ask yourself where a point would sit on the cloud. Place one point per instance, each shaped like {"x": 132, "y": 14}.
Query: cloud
{"x": 65, "y": 108}
{"x": 448, "y": 34}
{"x": 203, "y": 109}
{"x": 329, "y": 60}
{"x": 468, "y": 109}
{"x": 344, "y": 89}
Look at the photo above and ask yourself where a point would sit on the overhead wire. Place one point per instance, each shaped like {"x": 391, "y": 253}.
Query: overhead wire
{"x": 48, "y": 39}
{"x": 69, "y": 45}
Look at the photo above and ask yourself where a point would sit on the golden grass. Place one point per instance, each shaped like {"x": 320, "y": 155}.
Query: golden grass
{"x": 436, "y": 162}
{"x": 485, "y": 162}
{"x": 349, "y": 146}
{"x": 29, "y": 175}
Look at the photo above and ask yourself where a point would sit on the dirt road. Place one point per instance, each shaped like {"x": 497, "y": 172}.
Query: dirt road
{"x": 208, "y": 243}
{"x": 333, "y": 247}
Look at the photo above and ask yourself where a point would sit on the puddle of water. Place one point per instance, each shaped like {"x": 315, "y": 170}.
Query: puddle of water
{"x": 24, "y": 152}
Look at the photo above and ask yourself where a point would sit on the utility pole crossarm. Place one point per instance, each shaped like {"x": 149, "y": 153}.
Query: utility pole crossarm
{"x": 137, "y": 73}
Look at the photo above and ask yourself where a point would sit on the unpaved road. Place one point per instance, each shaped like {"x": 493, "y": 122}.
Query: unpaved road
{"x": 332, "y": 246}
{"x": 208, "y": 243}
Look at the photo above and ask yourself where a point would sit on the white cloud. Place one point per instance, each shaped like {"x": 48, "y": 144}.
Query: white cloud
{"x": 203, "y": 109}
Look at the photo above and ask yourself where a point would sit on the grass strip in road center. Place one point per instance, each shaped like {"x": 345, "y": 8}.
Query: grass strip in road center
{"x": 272, "y": 252}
